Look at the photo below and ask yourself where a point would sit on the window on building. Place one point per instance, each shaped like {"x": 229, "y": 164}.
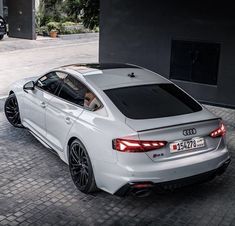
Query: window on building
{"x": 195, "y": 61}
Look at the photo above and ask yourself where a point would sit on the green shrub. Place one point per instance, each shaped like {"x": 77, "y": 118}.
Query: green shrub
{"x": 69, "y": 27}
{"x": 53, "y": 26}
{"x": 68, "y": 23}
{"x": 50, "y": 10}
{"x": 43, "y": 30}
{"x": 86, "y": 11}
{"x": 96, "y": 29}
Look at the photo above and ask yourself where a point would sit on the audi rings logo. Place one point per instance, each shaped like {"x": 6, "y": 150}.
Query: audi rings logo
{"x": 188, "y": 132}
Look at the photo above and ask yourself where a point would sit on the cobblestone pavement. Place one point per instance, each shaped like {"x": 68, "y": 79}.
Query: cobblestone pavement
{"x": 36, "y": 189}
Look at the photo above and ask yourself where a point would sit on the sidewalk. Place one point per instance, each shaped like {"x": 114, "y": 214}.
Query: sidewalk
{"x": 12, "y": 44}
{"x": 26, "y": 58}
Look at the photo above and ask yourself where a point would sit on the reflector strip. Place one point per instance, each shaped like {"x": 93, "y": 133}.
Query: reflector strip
{"x": 125, "y": 145}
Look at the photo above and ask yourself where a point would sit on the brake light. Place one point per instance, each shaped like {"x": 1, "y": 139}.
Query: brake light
{"x": 124, "y": 145}
{"x": 221, "y": 131}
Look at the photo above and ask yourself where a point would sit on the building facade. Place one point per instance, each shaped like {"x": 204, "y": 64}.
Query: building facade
{"x": 1, "y": 7}
{"x": 189, "y": 42}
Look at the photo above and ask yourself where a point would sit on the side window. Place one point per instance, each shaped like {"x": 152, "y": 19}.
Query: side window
{"x": 51, "y": 81}
{"x": 91, "y": 102}
{"x": 75, "y": 92}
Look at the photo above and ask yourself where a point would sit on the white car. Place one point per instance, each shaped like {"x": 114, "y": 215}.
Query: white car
{"x": 120, "y": 127}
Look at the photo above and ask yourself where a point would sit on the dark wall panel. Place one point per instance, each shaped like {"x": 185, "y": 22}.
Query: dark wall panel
{"x": 1, "y": 8}
{"x": 141, "y": 32}
{"x": 21, "y": 18}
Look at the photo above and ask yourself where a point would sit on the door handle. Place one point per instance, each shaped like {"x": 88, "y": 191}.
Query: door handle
{"x": 68, "y": 120}
{"x": 43, "y": 104}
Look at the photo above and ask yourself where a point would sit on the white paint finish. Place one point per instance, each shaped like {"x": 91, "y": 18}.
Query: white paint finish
{"x": 59, "y": 117}
{"x": 96, "y": 130}
{"x": 114, "y": 78}
{"x": 33, "y": 111}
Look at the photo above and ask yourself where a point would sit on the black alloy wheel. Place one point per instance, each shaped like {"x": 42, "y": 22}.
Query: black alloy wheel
{"x": 12, "y": 111}
{"x": 80, "y": 168}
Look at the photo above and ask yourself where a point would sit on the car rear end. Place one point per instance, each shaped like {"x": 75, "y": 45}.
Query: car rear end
{"x": 180, "y": 142}
{"x": 2, "y": 27}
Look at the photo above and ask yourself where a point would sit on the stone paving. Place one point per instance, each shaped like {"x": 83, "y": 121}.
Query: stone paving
{"x": 228, "y": 116}
{"x": 36, "y": 189}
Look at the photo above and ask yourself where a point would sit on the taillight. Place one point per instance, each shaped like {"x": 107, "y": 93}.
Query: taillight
{"x": 125, "y": 145}
{"x": 219, "y": 131}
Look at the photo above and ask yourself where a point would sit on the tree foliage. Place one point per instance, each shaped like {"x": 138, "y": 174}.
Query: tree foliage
{"x": 56, "y": 10}
{"x": 73, "y": 9}
{"x": 86, "y": 10}
{"x": 50, "y": 10}
{"x": 90, "y": 13}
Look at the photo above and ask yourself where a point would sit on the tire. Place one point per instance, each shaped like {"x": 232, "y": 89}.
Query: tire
{"x": 81, "y": 168}
{"x": 1, "y": 37}
{"x": 12, "y": 111}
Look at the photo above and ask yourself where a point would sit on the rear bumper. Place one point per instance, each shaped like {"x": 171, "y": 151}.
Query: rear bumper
{"x": 199, "y": 178}
{"x": 132, "y": 168}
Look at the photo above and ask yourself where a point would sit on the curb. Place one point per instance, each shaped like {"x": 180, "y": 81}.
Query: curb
{"x": 78, "y": 36}
{"x": 3, "y": 97}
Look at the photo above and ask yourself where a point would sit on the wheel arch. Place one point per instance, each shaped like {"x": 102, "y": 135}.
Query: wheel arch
{"x": 18, "y": 122}
{"x": 71, "y": 139}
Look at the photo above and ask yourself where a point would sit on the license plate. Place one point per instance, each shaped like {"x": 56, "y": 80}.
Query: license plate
{"x": 186, "y": 145}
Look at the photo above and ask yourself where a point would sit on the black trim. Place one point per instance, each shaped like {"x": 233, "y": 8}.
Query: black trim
{"x": 178, "y": 183}
{"x": 58, "y": 86}
{"x": 124, "y": 190}
{"x": 102, "y": 66}
{"x": 42, "y": 141}
{"x": 181, "y": 124}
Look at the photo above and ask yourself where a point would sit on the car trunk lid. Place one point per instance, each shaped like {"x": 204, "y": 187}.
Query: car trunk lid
{"x": 197, "y": 125}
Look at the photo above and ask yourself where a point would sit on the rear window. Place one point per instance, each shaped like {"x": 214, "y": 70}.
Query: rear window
{"x": 152, "y": 101}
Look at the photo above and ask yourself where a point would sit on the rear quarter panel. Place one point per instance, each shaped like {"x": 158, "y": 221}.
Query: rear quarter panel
{"x": 96, "y": 130}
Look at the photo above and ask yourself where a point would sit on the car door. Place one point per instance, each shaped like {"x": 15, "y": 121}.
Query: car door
{"x": 63, "y": 110}
{"x": 36, "y": 101}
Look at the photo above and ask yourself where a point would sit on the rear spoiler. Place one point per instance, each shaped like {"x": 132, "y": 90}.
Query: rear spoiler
{"x": 163, "y": 127}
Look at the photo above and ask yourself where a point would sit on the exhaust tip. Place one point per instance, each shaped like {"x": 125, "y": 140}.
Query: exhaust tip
{"x": 142, "y": 193}
{"x": 142, "y": 189}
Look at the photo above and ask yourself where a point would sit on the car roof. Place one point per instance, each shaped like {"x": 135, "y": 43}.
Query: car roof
{"x": 114, "y": 75}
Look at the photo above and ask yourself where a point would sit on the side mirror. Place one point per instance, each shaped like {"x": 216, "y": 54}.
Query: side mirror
{"x": 29, "y": 86}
